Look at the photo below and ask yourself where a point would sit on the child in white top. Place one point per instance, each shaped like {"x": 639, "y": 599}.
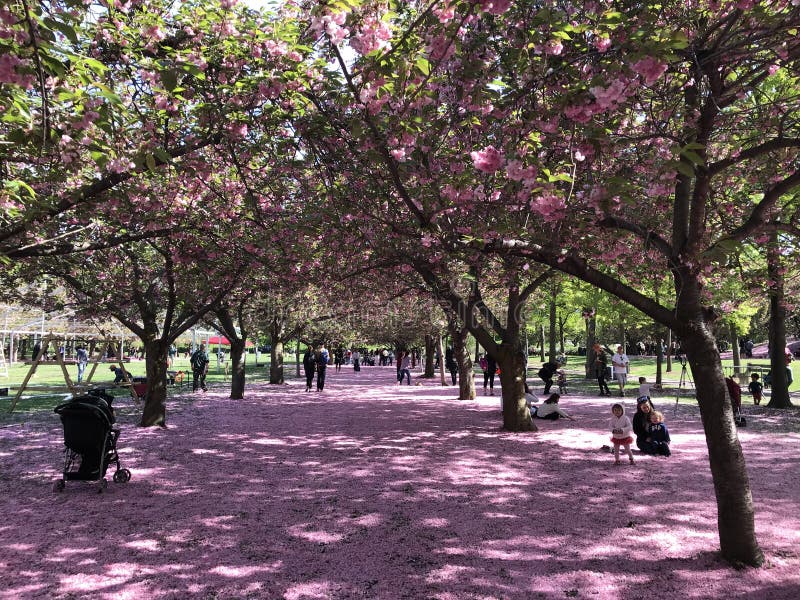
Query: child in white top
{"x": 621, "y": 428}
{"x": 644, "y": 388}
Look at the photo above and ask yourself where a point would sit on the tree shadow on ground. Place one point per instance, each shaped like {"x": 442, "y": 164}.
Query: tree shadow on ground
{"x": 377, "y": 491}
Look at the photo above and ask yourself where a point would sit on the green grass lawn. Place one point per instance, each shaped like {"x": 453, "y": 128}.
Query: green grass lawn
{"x": 51, "y": 376}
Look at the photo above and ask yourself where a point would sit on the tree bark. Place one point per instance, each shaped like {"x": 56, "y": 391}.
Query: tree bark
{"x": 238, "y": 356}
{"x": 466, "y": 373}
{"x": 737, "y": 354}
{"x": 779, "y": 397}
{"x": 541, "y": 342}
{"x": 735, "y": 512}
{"x": 440, "y": 349}
{"x": 430, "y": 351}
{"x": 512, "y": 363}
{"x": 591, "y": 329}
{"x": 276, "y": 361}
{"x": 155, "y": 403}
{"x": 553, "y": 330}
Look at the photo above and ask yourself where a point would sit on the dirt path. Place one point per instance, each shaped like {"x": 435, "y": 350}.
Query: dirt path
{"x": 369, "y": 490}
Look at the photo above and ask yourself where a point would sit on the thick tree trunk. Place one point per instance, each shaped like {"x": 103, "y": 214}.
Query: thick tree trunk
{"x": 466, "y": 373}
{"x": 737, "y": 353}
{"x": 440, "y": 349}
{"x": 155, "y": 404}
{"x": 237, "y": 369}
{"x": 512, "y": 364}
{"x": 779, "y": 396}
{"x": 669, "y": 351}
{"x": 276, "y": 362}
{"x": 430, "y": 352}
{"x": 541, "y": 342}
{"x": 591, "y": 329}
{"x": 735, "y": 513}
{"x": 551, "y": 351}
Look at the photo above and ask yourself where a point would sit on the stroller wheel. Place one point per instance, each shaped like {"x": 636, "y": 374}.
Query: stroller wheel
{"x": 59, "y": 485}
{"x": 122, "y": 476}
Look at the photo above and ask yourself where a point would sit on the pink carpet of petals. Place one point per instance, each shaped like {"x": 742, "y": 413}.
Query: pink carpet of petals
{"x": 369, "y": 490}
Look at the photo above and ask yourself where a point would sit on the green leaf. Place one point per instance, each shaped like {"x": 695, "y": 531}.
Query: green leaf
{"x": 150, "y": 161}
{"x": 693, "y": 157}
{"x": 423, "y": 65}
{"x": 162, "y": 155}
{"x": 681, "y": 167}
{"x": 169, "y": 77}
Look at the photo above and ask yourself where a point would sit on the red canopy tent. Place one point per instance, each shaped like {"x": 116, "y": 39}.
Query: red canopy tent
{"x": 219, "y": 339}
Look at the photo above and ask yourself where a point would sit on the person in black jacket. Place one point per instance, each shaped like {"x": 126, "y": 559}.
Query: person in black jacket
{"x": 546, "y": 374}
{"x": 310, "y": 367}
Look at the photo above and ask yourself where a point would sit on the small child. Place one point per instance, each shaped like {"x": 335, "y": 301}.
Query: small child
{"x": 644, "y": 388}
{"x": 621, "y": 428}
{"x": 562, "y": 382}
{"x": 755, "y": 388}
{"x": 658, "y": 434}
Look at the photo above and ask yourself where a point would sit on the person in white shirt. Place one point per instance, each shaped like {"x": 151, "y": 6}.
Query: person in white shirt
{"x": 549, "y": 409}
{"x": 620, "y": 362}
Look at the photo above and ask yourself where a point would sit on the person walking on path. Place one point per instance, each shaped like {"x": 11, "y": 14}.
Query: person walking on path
{"x": 199, "y": 362}
{"x": 601, "y": 369}
{"x": 309, "y": 367}
{"x": 489, "y": 373}
{"x": 322, "y": 365}
{"x": 620, "y": 361}
{"x": 405, "y": 369}
{"x": 450, "y": 363}
{"x": 356, "y": 358}
{"x": 82, "y": 358}
{"x": 338, "y": 359}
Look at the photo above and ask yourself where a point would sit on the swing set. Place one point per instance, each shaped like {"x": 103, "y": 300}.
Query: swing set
{"x": 72, "y": 387}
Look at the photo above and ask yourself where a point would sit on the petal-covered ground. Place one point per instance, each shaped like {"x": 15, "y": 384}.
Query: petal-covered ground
{"x": 369, "y": 490}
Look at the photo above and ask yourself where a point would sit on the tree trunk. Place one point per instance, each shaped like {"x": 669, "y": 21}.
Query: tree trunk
{"x": 237, "y": 369}
{"x": 541, "y": 342}
{"x": 512, "y": 363}
{"x": 276, "y": 361}
{"x": 735, "y": 516}
{"x": 440, "y": 349}
{"x": 430, "y": 352}
{"x": 737, "y": 353}
{"x": 155, "y": 403}
{"x": 551, "y": 351}
{"x": 669, "y": 351}
{"x": 779, "y": 397}
{"x": 466, "y": 373}
{"x": 591, "y": 329}
{"x": 659, "y": 363}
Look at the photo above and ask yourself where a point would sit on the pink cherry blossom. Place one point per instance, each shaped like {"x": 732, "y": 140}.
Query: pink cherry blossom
{"x": 650, "y": 68}
{"x": 487, "y": 160}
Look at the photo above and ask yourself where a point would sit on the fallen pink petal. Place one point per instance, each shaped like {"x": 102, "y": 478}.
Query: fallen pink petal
{"x": 370, "y": 490}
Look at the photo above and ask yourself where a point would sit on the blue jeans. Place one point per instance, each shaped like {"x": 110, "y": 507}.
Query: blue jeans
{"x": 405, "y": 373}
{"x": 81, "y": 369}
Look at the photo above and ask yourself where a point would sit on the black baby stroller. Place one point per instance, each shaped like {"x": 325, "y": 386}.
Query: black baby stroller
{"x": 90, "y": 440}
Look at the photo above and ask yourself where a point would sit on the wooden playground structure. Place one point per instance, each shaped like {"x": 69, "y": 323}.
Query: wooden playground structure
{"x": 72, "y": 387}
